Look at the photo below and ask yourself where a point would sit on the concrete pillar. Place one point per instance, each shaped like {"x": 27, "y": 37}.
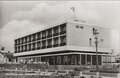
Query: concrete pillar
{"x": 80, "y": 59}
{"x": 85, "y": 59}
{"x": 91, "y": 59}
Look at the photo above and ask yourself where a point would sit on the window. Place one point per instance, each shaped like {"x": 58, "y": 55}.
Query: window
{"x": 29, "y": 49}
{"x": 18, "y": 48}
{"x": 25, "y": 47}
{"x": 29, "y": 38}
{"x": 43, "y": 44}
{"x": 49, "y": 32}
{"x": 38, "y": 45}
{"x": 81, "y": 27}
{"x": 34, "y": 37}
{"x": 77, "y": 26}
{"x": 88, "y": 59}
{"x": 38, "y": 36}
{"x": 49, "y": 42}
{"x": 34, "y": 46}
{"x": 93, "y": 59}
{"x": 63, "y": 28}
{"x": 15, "y": 49}
{"x": 83, "y": 59}
{"x": 25, "y": 39}
{"x": 21, "y": 48}
{"x": 63, "y": 40}
{"x": 15, "y": 42}
{"x": 56, "y": 42}
{"x": 56, "y": 31}
{"x": 43, "y": 34}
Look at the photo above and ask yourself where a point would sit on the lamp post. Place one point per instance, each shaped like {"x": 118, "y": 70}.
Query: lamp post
{"x": 96, "y": 33}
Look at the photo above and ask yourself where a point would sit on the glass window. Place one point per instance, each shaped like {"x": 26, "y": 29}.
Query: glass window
{"x": 82, "y": 59}
{"x": 38, "y": 45}
{"x": 43, "y": 34}
{"x": 34, "y": 46}
{"x": 56, "y": 30}
{"x": 44, "y": 44}
{"x": 29, "y": 47}
{"x": 63, "y": 27}
{"x": 49, "y": 32}
{"x": 63, "y": 39}
{"x": 88, "y": 59}
{"x": 18, "y": 48}
{"x": 38, "y": 35}
{"x": 58, "y": 62}
{"x": 93, "y": 59}
{"x": 49, "y": 42}
{"x": 56, "y": 40}
{"x": 99, "y": 60}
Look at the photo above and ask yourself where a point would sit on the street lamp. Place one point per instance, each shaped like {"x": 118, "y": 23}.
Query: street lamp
{"x": 96, "y": 33}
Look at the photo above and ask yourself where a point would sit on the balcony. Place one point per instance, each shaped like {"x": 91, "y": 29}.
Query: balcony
{"x": 49, "y": 35}
{"x": 55, "y": 34}
{"x": 38, "y": 48}
{"x": 63, "y": 32}
{"x": 43, "y": 47}
{"x": 55, "y": 45}
{"x": 25, "y": 50}
{"x": 33, "y": 48}
{"x": 43, "y": 37}
{"x": 49, "y": 46}
{"x": 62, "y": 44}
{"x": 21, "y": 50}
{"x": 29, "y": 49}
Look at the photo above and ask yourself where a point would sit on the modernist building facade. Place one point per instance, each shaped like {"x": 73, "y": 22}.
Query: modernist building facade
{"x": 68, "y": 43}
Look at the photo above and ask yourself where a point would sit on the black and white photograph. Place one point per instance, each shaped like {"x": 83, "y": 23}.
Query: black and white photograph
{"x": 60, "y": 39}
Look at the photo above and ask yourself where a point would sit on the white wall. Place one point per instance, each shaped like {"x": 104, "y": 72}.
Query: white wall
{"x": 80, "y": 37}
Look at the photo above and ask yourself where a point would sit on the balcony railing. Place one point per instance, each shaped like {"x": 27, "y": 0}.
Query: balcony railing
{"x": 63, "y": 32}
{"x": 49, "y": 35}
{"x": 55, "y": 45}
{"x": 29, "y": 49}
{"x": 43, "y": 37}
{"x": 62, "y": 44}
{"x": 49, "y": 46}
{"x": 43, "y": 47}
{"x": 55, "y": 34}
{"x": 38, "y": 48}
{"x": 33, "y": 48}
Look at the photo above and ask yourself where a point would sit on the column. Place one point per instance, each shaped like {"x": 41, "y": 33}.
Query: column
{"x": 85, "y": 59}
{"x": 91, "y": 59}
{"x": 80, "y": 59}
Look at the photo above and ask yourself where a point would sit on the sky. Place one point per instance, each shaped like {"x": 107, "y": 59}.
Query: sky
{"x": 18, "y": 18}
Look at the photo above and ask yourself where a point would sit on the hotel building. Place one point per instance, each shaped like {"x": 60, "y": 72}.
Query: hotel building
{"x": 68, "y": 43}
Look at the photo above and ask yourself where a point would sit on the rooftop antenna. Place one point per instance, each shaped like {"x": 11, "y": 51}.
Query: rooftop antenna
{"x": 74, "y": 11}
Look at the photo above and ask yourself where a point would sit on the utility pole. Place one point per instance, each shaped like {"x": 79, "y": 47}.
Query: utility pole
{"x": 95, "y": 33}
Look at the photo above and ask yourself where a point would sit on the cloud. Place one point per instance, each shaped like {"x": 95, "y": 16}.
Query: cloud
{"x": 44, "y": 14}
{"x": 15, "y": 29}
